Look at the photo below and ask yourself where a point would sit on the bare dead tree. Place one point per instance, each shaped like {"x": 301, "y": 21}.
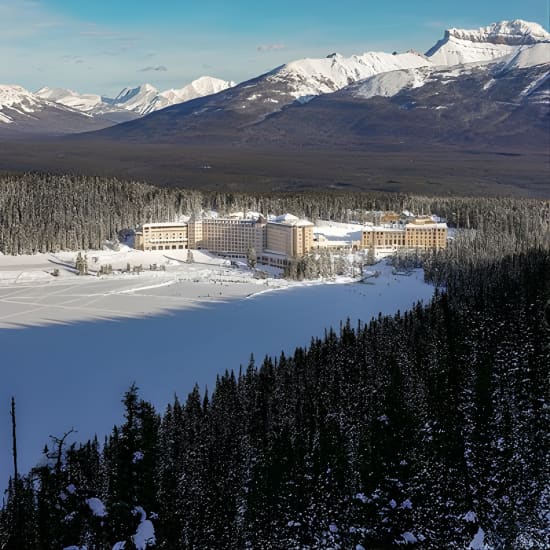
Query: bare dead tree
{"x": 57, "y": 454}
{"x": 14, "y": 439}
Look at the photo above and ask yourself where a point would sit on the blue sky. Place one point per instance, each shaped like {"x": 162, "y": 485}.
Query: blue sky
{"x": 102, "y": 46}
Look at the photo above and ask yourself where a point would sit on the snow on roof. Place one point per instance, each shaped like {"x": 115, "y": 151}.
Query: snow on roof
{"x": 429, "y": 225}
{"x": 164, "y": 224}
{"x": 285, "y": 218}
{"x": 290, "y": 219}
{"x": 334, "y": 230}
{"x": 250, "y": 215}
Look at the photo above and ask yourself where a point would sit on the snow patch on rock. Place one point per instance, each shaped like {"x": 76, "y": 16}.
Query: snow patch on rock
{"x": 97, "y": 507}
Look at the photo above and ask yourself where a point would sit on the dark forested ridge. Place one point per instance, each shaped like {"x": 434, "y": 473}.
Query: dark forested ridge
{"x": 427, "y": 428}
{"x": 45, "y": 213}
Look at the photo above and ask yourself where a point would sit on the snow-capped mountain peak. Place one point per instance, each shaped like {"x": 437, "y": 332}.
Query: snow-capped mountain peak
{"x": 136, "y": 99}
{"x": 486, "y": 43}
{"x": 12, "y": 95}
{"x": 69, "y": 98}
{"x": 522, "y": 76}
{"x": 146, "y": 98}
{"x": 205, "y": 85}
{"x": 128, "y": 93}
{"x": 16, "y": 99}
{"x": 512, "y": 33}
{"x": 307, "y": 78}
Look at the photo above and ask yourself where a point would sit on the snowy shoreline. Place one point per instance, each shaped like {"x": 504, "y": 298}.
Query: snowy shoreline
{"x": 44, "y": 289}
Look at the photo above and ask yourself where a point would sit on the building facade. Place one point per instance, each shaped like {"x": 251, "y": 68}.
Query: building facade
{"x": 425, "y": 234}
{"x": 162, "y": 236}
{"x": 417, "y": 233}
{"x": 227, "y": 236}
{"x": 290, "y": 236}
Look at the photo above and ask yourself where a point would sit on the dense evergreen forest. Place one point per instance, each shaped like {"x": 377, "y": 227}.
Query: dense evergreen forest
{"x": 47, "y": 213}
{"x": 427, "y": 429}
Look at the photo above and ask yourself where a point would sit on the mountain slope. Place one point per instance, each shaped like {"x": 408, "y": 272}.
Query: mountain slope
{"x": 389, "y": 84}
{"x": 21, "y": 112}
{"x": 502, "y": 103}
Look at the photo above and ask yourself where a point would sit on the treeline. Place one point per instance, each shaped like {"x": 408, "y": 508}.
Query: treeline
{"x": 47, "y": 213}
{"x": 426, "y": 429}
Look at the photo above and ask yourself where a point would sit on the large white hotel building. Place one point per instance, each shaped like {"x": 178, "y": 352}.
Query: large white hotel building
{"x": 274, "y": 241}
{"x": 279, "y": 239}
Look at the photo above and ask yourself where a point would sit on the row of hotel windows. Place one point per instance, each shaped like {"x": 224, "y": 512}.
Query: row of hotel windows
{"x": 168, "y": 247}
{"x": 174, "y": 235}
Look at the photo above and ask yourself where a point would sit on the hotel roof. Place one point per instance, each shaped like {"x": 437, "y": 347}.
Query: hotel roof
{"x": 289, "y": 219}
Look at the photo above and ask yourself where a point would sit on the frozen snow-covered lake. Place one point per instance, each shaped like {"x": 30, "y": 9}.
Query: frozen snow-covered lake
{"x": 74, "y": 375}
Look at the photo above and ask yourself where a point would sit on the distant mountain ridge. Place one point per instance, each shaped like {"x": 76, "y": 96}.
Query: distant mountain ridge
{"x": 134, "y": 102}
{"x": 146, "y": 99}
{"x": 24, "y": 112}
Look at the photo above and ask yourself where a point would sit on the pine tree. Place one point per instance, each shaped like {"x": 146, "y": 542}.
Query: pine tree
{"x": 251, "y": 258}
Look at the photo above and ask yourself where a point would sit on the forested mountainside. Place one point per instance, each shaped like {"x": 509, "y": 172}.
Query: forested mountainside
{"x": 43, "y": 213}
{"x": 427, "y": 429}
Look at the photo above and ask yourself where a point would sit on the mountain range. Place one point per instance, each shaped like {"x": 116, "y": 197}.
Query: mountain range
{"x": 58, "y": 110}
{"x": 497, "y": 94}
{"x": 477, "y": 90}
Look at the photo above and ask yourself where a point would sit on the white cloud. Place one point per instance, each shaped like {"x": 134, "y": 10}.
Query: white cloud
{"x": 270, "y": 47}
